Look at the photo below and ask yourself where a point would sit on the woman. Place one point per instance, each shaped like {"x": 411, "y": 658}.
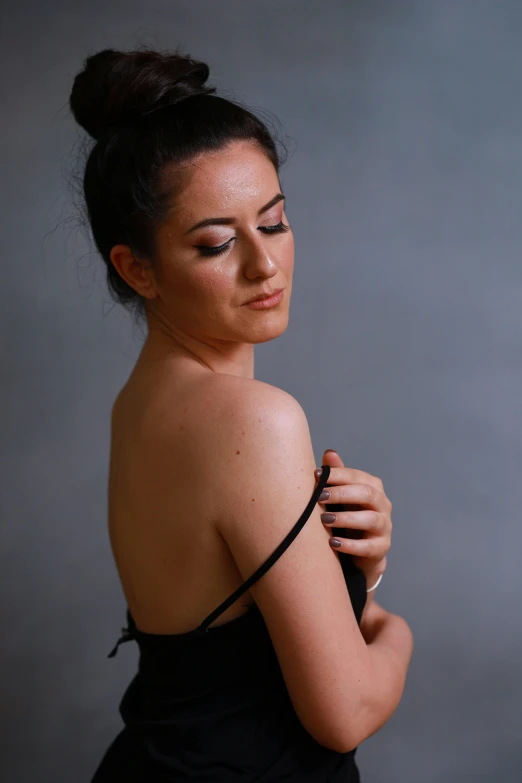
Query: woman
{"x": 293, "y": 664}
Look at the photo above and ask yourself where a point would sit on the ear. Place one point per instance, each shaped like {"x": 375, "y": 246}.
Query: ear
{"x": 136, "y": 273}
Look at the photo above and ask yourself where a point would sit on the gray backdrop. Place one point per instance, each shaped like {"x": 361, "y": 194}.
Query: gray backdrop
{"x": 404, "y": 191}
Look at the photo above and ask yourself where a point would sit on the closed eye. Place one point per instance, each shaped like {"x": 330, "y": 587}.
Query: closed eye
{"x": 216, "y": 250}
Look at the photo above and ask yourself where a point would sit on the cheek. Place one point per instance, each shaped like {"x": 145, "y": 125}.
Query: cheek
{"x": 209, "y": 286}
{"x": 287, "y": 258}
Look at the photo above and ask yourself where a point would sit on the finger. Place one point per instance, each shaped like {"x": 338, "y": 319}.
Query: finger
{"x": 362, "y": 547}
{"x": 381, "y": 568}
{"x": 332, "y": 458}
{"x": 372, "y": 521}
{"x": 361, "y": 494}
{"x": 343, "y": 475}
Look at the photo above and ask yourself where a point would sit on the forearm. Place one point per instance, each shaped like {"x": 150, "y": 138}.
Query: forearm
{"x": 372, "y": 616}
{"x": 390, "y": 646}
{"x": 367, "y": 611}
{"x": 371, "y": 580}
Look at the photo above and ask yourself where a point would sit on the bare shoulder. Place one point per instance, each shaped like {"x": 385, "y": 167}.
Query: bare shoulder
{"x": 254, "y": 430}
{"x": 246, "y": 395}
{"x": 255, "y": 403}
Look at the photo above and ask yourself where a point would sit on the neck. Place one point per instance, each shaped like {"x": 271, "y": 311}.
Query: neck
{"x": 219, "y": 356}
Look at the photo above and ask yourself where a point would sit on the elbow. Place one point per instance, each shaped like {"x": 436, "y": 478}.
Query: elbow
{"x": 370, "y": 718}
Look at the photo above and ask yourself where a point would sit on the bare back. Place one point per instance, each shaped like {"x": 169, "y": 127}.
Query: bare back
{"x": 174, "y": 565}
{"x": 177, "y": 512}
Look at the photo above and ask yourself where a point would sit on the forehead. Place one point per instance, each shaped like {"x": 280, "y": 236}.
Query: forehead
{"x": 239, "y": 176}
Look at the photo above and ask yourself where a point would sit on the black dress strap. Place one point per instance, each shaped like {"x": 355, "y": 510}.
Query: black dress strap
{"x": 276, "y": 554}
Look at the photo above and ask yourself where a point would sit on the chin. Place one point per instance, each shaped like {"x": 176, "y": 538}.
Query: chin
{"x": 264, "y": 332}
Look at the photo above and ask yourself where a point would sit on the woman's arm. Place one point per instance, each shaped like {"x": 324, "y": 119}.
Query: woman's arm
{"x": 372, "y": 614}
{"x": 390, "y": 644}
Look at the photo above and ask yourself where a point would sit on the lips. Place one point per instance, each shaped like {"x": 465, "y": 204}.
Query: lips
{"x": 264, "y": 296}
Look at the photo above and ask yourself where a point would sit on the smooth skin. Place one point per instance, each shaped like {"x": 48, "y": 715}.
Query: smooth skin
{"x": 194, "y": 303}
{"x": 200, "y": 340}
{"x": 192, "y": 432}
{"x": 199, "y": 293}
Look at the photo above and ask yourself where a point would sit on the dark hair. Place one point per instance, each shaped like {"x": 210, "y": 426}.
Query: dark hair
{"x": 148, "y": 112}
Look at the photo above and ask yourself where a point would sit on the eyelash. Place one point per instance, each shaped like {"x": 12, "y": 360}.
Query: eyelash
{"x": 210, "y": 250}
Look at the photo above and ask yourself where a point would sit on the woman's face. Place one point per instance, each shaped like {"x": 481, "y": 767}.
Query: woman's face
{"x": 205, "y": 274}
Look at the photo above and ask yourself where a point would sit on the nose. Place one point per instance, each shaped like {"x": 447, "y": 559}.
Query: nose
{"x": 258, "y": 259}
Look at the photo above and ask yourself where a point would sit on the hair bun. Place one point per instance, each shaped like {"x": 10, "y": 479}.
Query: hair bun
{"x": 117, "y": 87}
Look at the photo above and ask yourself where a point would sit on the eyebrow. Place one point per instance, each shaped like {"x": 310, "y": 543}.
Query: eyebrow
{"x": 226, "y": 221}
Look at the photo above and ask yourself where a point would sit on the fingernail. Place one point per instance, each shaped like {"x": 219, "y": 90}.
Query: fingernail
{"x": 318, "y": 472}
{"x": 334, "y": 451}
{"x": 324, "y": 495}
{"x": 328, "y": 519}
{"x": 335, "y": 542}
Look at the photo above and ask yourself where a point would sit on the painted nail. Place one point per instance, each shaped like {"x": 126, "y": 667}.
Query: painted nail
{"x": 328, "y": 519}
{"x": 335, "y": 542}
{"x": 324, "y": 495}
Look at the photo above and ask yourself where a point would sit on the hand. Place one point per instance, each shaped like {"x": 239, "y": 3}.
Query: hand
{"x": 357, "y": 490}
